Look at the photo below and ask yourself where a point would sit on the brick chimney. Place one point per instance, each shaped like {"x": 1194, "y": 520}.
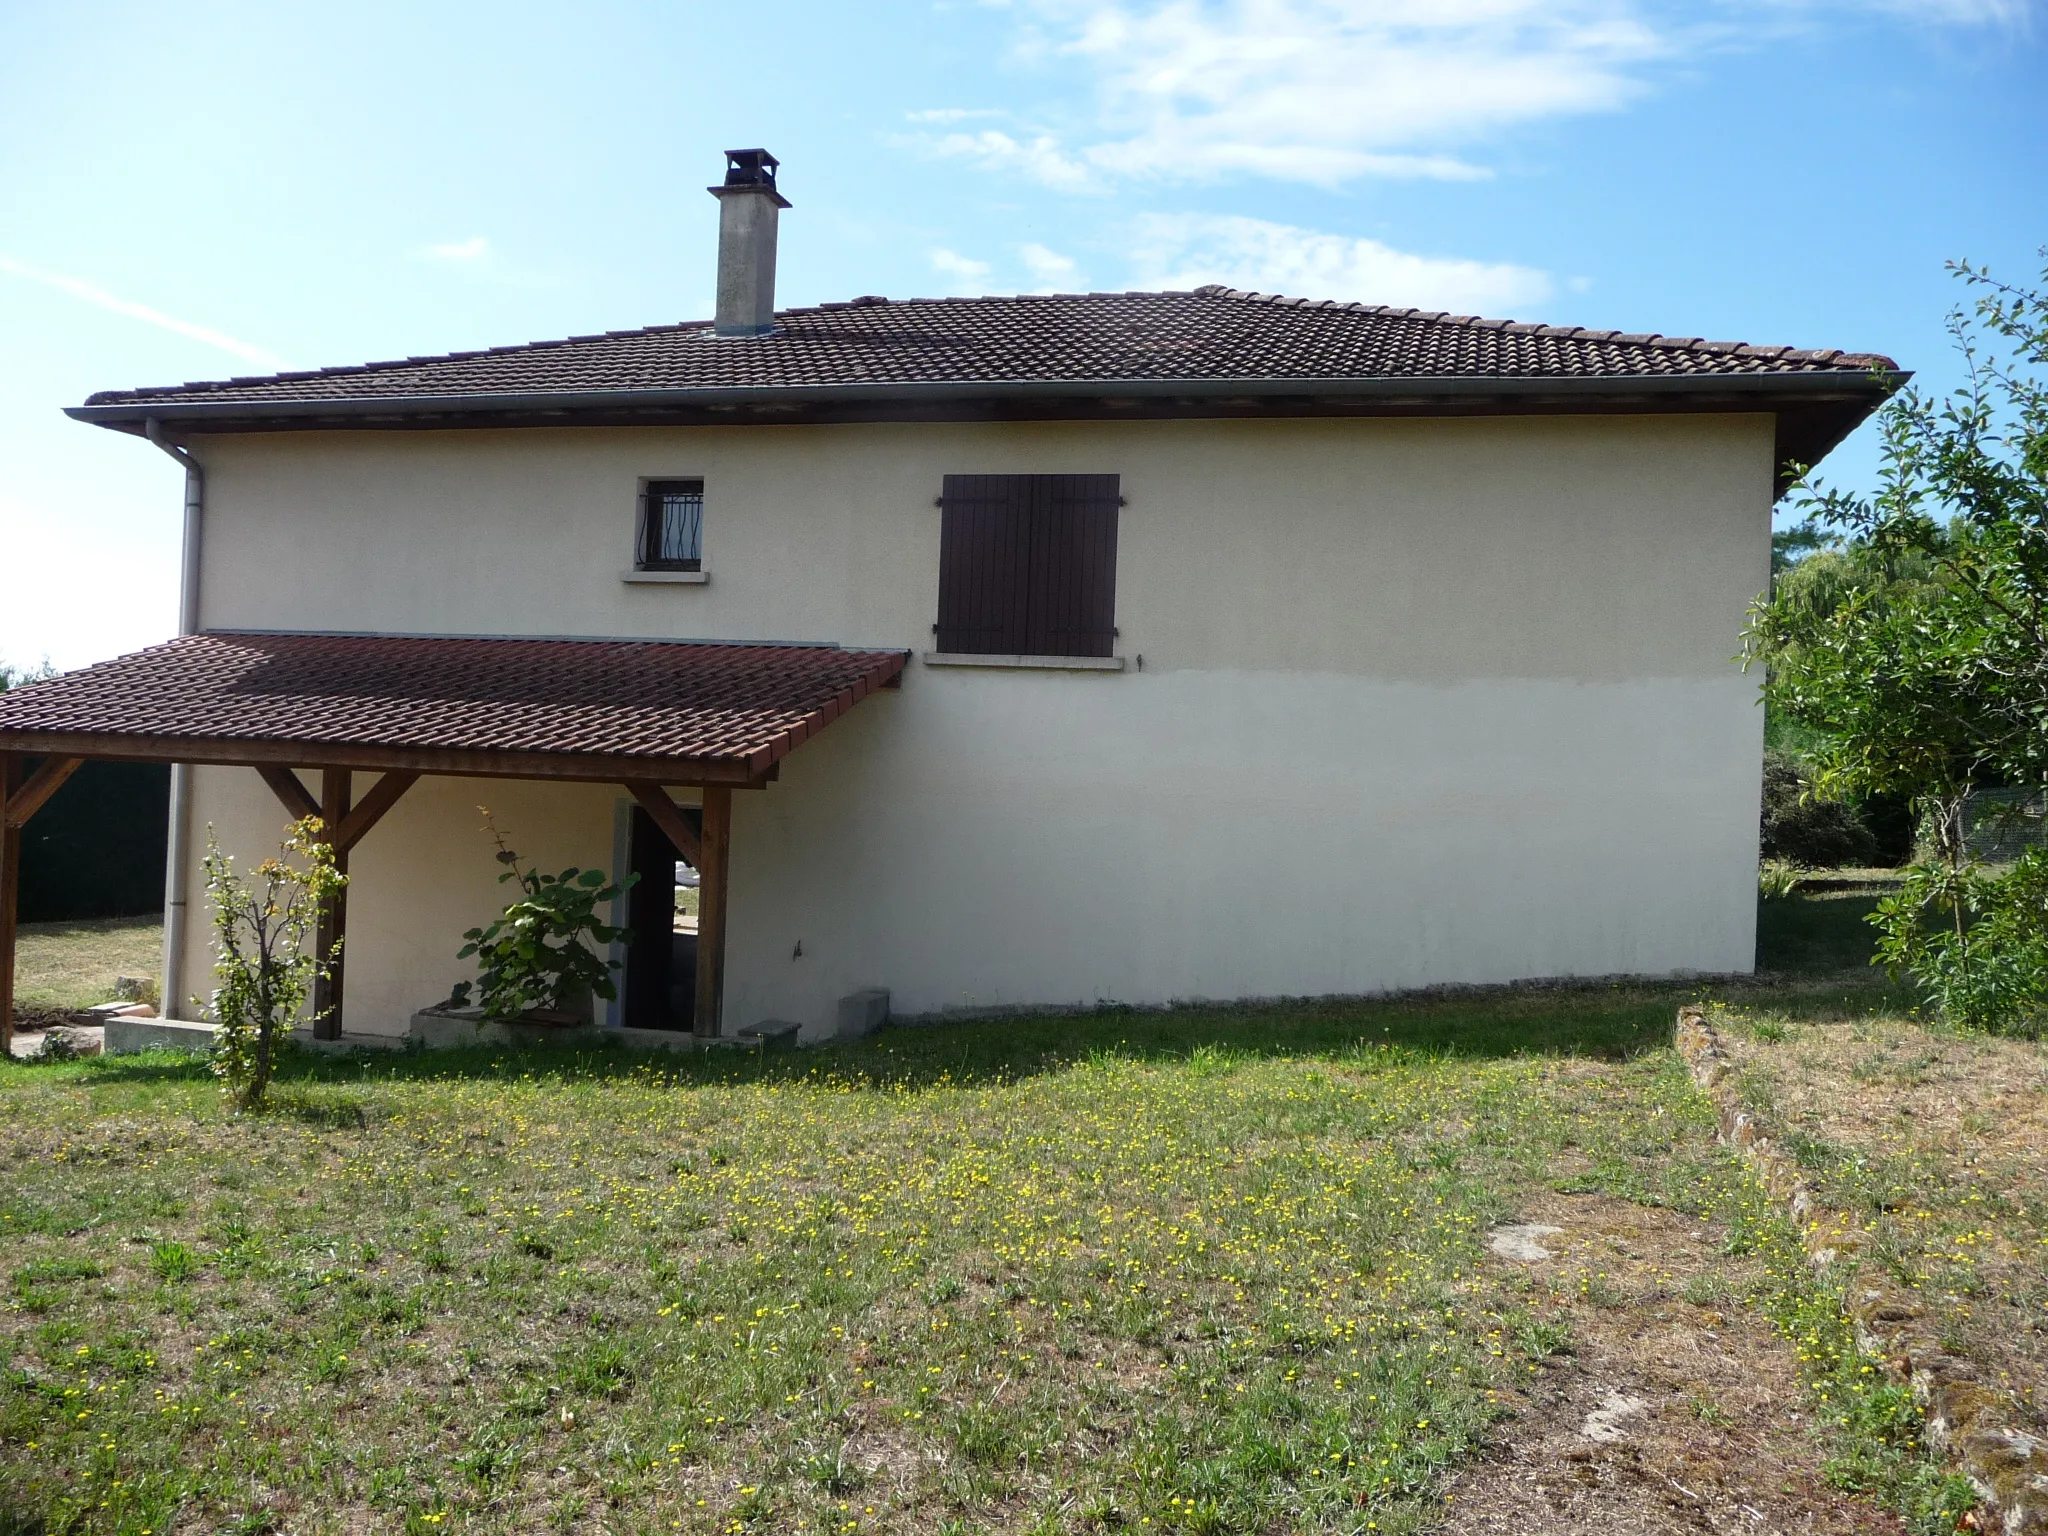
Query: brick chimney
{"x": 748, "y": 206}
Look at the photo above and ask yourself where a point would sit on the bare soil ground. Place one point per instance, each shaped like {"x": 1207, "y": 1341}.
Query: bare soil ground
{"x": 1939, "y": 1143}
{"x": 1678, "y": 1409}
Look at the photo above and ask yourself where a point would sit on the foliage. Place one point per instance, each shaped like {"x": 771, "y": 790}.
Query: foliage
{"x": 1916, "y": 643}
{"x": 262, "y": 963}
{"x": 1777, "y": 878}
{"x": 1802, "y": 828}
{"x": 15, "y": 677}
{"x": 534, "y": 956}
{"x": 1987, "y": 962}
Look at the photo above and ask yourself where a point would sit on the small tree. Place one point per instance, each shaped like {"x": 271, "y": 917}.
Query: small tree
{"x": 262, "y": 961}
{"x": 534, "y": 956}
{"x": 1916, "y": 647}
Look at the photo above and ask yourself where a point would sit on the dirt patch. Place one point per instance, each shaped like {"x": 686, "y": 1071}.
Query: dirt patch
{"x": 1679, "y": 1409}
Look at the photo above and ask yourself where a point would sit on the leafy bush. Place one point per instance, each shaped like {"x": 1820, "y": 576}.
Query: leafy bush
{"x": 1978, "y": 941}
{"x": 534, "y": 955}
{"x": 261, "y": 960}
{"x": 1776, "y": 879}
{"x": 1802, "y": 828}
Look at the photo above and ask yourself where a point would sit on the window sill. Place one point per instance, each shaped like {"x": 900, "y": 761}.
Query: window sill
{"x": 665, "y": 578}
{"x": 1025, "y": 663}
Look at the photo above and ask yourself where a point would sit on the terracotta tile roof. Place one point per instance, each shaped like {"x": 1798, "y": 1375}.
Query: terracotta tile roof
{"x": 1212, "y": 334}
{"x": 727, "y": 711}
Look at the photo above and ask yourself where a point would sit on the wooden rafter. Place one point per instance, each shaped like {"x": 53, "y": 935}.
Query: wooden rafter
{"x": 36, "y": 791}
{"x": 370, "y": 809}
{"x": 669, "y": 817}
{"x": 285, "y": 784}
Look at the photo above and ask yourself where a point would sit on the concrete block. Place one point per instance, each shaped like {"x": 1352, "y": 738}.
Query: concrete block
{"x": 125, "y": 1037}
{"x": 770, "y": 1034}
{"x": 862, "y": 1013}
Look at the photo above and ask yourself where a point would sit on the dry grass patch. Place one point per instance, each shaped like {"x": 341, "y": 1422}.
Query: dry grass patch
{"x": 1678, "y": 1407}
{"x": 64, "y": 966}
{"x": 1938, "y": 1143}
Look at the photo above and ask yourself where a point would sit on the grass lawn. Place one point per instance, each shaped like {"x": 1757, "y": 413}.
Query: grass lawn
{"x": 1199, "y": 1271}
{"x": 64, "y": 966}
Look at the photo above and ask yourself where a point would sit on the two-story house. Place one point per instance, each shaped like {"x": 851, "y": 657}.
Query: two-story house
{"x": 1003, "y": 653}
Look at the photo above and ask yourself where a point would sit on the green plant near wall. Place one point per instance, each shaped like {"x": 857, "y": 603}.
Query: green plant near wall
{"x": 536, "y": 955}
{"x": 1916, "y": 646}
{"x": 262, "y": 965}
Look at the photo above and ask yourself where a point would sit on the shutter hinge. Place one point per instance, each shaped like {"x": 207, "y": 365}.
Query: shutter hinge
{"x": 939, "y": 501}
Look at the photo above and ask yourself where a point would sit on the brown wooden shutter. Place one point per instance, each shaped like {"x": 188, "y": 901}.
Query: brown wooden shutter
{"x": 1027, "y": 565}
{"x": 984, "y": 564}
{"x": 1072, "y": 609}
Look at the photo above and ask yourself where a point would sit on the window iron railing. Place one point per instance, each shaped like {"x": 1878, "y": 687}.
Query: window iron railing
{"x": 672, "y": 527}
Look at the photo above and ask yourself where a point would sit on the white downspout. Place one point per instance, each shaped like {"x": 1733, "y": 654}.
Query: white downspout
{"x": 177, "y": 860}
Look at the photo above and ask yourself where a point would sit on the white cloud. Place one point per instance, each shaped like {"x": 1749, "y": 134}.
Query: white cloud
{"x": 1188, "y": 250}
{"x": 1328, "y": 91}
{"x": 99, "y": 298}
{"x": 1054, "y": 272}
{"x": 1039, "y": 157}
{"x": 1321, "y": 91}
{"x": 475, "y": 248}
{"x": 1964, "y": 13}
{"x": 953, "y": 114}
{"x": 963, "y": 274}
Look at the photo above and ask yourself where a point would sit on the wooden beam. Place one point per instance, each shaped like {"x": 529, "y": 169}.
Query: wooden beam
{"x": 716, "y": 850}
{"x": 371, "y": 808}
{"x": 10, "y": 896}
{"x": 333, "y": 923}
{"x": 669, "y": 817}
{"x": 580, "y": 767}
{"x": 34, "y": 794}
{"x": 286, "y": 786}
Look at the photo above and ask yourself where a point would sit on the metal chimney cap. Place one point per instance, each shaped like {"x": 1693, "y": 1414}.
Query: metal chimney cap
{"x": 750, "y": 170}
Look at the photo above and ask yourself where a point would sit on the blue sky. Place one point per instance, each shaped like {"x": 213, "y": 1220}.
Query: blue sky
{"x": 193, "y": 191}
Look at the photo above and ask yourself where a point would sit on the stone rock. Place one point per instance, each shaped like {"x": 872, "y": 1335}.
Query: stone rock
{"x": 1604, "y": 1423}
{"x": 1522, "y": 1242}
{"x": 67, "y": 1042}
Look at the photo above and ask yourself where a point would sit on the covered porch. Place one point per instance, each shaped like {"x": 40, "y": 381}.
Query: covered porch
{"x": 341, "y": 726}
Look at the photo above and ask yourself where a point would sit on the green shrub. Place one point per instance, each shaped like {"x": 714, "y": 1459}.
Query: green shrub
{"x": 1977, "y": 940}
{"x": 534, "y": 956}
{"x": 1802, "y": 828}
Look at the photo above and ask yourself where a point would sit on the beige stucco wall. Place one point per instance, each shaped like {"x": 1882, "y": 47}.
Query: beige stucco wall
{"x": 1420, "y": 701}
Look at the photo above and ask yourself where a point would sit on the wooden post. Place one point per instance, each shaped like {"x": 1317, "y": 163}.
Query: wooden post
{"x": 334, "y": 792}
{"x": 715, "y": 844}
{"x": 10, "y": 896}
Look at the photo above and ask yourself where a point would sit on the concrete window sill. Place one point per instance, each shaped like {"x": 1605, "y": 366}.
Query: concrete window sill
{"x": 1025, "y": 663}
{"x": 665, "y": 578}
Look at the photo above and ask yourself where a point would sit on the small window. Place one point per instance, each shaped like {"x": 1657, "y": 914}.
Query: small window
{"x": 1027, "y": 565}
{"x": 672, "y": 526}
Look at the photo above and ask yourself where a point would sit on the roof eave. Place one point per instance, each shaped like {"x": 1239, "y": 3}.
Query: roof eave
{"x": 1738, "y": 391}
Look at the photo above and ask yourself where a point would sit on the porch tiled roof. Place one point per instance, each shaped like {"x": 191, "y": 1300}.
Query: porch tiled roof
{"x": 591, "y": 708}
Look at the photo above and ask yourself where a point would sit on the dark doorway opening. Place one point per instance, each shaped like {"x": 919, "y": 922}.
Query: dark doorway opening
{"x": 661, "y": 961}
